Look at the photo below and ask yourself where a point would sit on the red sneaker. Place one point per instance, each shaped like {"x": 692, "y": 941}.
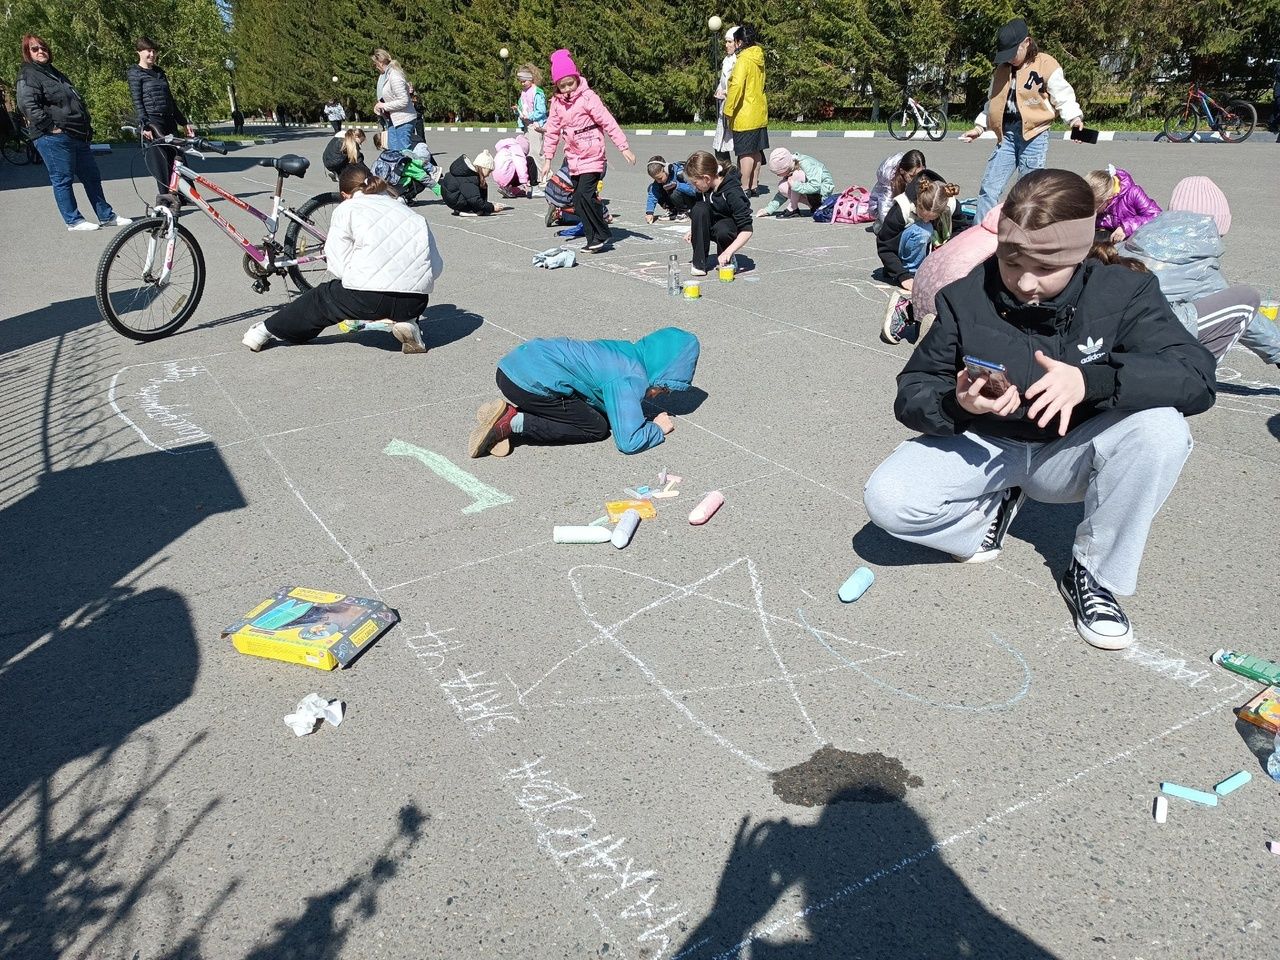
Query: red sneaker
{"x": 492, "y": 434}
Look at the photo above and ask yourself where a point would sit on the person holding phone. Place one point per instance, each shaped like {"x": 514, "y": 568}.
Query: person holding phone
{"x": 1099, "y": 380}
{"x": 1026, "y": 88}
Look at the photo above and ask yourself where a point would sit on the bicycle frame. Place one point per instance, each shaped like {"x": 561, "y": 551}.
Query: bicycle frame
{"x": 1204, "y": 101}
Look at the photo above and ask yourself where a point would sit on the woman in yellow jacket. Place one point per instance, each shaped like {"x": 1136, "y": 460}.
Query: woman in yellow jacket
{"x": 745, "y": 108}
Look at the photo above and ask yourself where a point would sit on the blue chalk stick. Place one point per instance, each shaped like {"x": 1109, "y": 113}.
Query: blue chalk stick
{"x": 1186, "y": 793}
{"x": 1233, "y": 782}
{"x": 856, "y": 585}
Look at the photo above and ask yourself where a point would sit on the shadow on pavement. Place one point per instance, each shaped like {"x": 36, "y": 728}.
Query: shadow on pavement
{"x": 55, "y": 320}
{"x": 870, "y": 886}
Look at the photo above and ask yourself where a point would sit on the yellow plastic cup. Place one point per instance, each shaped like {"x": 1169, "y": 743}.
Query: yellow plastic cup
{"x": 1269, "y": 311}
{"x": 726, "y": 273}
{"x": 692, "y": 290}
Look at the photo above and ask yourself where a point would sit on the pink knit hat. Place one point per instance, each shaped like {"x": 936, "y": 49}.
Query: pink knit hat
{"x": 1201, "y": 195}
{"x": 781, "y": 160}
{"x": 562, "y": 66}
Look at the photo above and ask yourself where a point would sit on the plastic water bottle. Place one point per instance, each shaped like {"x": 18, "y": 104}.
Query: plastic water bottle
{"x": 673, "y": 277}
{"x": 1273, "y": 762}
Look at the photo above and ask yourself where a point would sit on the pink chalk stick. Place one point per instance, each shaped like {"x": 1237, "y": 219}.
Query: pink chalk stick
{"x": 706, "y": 508}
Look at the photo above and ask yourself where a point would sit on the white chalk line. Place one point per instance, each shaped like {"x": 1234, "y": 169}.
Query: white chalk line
{"x": 757, "y": 592}
{"x": 936, "y": 847}
{"x": 464, "y": 566}
{"x": 115, "y": 379}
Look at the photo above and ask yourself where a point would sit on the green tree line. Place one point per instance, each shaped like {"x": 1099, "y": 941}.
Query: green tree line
{"x": 651, "y": 62}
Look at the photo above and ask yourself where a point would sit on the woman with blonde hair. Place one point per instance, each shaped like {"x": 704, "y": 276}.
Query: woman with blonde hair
{"x": 394, "y": 108}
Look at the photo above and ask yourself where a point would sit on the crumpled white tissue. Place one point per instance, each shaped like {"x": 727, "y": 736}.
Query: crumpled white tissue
{"x": 311, "y": 710}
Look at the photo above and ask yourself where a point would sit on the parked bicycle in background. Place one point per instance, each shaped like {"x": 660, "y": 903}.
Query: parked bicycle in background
{"x": 913, "y": 116}
{"x": 1233, "y": 122}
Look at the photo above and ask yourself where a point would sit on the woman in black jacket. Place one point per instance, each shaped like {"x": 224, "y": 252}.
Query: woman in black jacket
{"x": 58, "y": 123}
{"x": 158, "y": 113}
{"x": 722, "y": 213}
{"x": 1052, "y": 375}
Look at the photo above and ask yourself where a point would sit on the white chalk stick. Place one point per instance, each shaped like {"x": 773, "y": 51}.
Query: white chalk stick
{"x": 581, "y": 534}
{"x": 626, "y": 528}
{"x": 706, "y": 508}
{"x": 1161, "y": 809}
{"x": 856, "y": 585}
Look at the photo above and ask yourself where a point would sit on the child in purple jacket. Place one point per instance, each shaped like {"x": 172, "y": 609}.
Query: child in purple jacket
{"x": 1122, "y": 205}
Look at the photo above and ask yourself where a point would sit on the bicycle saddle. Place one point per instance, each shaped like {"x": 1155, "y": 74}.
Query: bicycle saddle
{"x": 290, "y": 165}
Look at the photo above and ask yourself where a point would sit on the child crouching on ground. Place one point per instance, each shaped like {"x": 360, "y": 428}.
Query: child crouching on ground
{"x": 386, "y": 263}
{"x": 579, "y": 391}
{"x": 799, "y": 177}
{"x": 1122, "y": 205}
{"x": 514, "y": 171}
{"x": 465, "y": 188}
{"x": 904, "y": 212}
{"x": 669, "y": 190}
{"x": 722, "y": 213}
{"x": 1097, "y": 381}
{"x": 341, "y": 150}
{"x": 891, "y": 179}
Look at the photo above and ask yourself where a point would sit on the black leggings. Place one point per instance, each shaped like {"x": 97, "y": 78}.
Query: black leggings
{"x": 160, "y": 163}
{"x": 305, "y": 317}
{"x": 587, "y": 207}
{"x": 705, "y": 228}
{"x": 554, "y": 420}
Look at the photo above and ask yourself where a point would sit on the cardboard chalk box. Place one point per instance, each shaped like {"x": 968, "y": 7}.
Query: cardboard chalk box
{"x": 313, "y": 627}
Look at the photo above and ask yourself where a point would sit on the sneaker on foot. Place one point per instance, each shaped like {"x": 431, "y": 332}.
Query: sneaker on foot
{"x": 257, "y": 337}
{"x": 993, "y": 542}
{"x": 465, "y": 213}
{"x": 410, "y": 336}
{"x": 492, "y": 434}
{"x": 899, "y": 321}
{"x": 1099, "y": 619}
{"x": 118, "y": 221}
{"x": 697, "y": 271}
{"x": 83, "y": 225}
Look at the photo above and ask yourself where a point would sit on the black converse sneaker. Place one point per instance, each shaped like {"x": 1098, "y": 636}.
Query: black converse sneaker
{"x": 993, "y": 542}
{"x": 1099, "y": 619}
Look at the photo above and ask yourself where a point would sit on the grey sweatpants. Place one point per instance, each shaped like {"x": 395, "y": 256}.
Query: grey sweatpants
{"x": 943, "y": 492}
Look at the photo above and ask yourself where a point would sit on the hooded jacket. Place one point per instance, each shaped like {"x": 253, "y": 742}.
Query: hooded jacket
{"x": 1111, "y": 322}
{"x": 461, "y": 189}
{"x": 611, "y": 375}
{"x": 154, "y": 101}
{"x": 953, "y": 260}
{"x": 1129, "y": 208}
{"x": 676, "y": 192}
{"x": 882, "y": 192}
{"x": 817, "y": 180}
{"x": 745, "y": 105}
{"x": 901, "y": 212}
{"x": 583, "y": 121}
{"x": 334, "y": 157}
{"x": 1183, "y": 250}
{"x": 510, "y": 163}
{"x": 729, "y": 202}
{"x": 377, "y": 243}
{"x": 48, "y": 100}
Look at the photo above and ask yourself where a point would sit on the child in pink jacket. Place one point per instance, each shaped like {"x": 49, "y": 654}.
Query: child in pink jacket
{"x": 512, "y": 167}
{"x": 1122, "y": 205}
{"x": 578, "y": 115}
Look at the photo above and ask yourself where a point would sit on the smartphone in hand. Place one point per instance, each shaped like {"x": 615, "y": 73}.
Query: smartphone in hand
{"x": 1084, "y": 135}
{"x": 995, "y": 373}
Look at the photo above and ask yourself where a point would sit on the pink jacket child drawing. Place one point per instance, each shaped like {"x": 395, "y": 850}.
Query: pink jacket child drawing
{"x": 511, "y": 166}
{"x": 1129, "y": 207}
{"x": 581, "y": 119}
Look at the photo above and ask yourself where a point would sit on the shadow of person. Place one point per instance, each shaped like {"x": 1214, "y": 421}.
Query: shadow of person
{"x": 1273, "y": 425}
{"x": 870, "y": 886}
{"x": 875, "y": 546}
{"x": 48, "y": 323}
{"x": 447, "y": 323}
{"x": 680, "y": 403}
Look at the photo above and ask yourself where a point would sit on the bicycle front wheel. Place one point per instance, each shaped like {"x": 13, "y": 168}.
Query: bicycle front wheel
{"x": 17, "y": 151}
{"x": 318, "y": 212}
{"x": 935, "y": 124}
{"x": 1180, "y": 124}
{"x": 902, "y": 124}
{"x": 128, "y": 290}
{"x": 1237, "y": 121}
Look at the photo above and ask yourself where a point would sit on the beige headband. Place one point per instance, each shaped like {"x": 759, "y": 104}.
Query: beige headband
{"x": 1062, "y": 244}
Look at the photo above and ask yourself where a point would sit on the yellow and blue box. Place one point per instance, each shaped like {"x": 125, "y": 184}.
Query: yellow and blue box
{"x": 315, "y": 628}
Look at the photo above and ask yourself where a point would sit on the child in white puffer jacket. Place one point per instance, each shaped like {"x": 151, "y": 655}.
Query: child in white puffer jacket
{"x": 386, "y": 262}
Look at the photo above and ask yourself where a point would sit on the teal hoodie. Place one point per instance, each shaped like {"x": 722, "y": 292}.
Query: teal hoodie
{"x": 611, "y": 375}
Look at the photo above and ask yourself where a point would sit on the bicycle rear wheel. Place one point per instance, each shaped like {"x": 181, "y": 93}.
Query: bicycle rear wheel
{"x": 318, "y": 212}
{"x": 935, "y": 124}
{"x": 127, "y": 289}
{"x": 1237, "y": 121}
{"x": 17, "y": 151}
{"x": 902, "y": 123}
{"x": 1180, "y": 124}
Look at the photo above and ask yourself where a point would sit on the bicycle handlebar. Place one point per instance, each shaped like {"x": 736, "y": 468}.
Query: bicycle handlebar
{"x": 194, "y": 144}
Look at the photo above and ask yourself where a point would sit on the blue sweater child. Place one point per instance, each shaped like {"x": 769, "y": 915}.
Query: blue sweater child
{"x": 559, "y": 391}
{"x": 669, "y": 190}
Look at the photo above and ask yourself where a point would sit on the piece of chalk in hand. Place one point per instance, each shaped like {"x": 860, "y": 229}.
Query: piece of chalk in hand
{"x": 1233, "y": 782}
{"x": 856, "y": 585}
{"x": 1161, "y": 809}
{"x": 626, "y": 528}
{"x": 581, "y": 534}
{"x": 706, "y": 508}
{"x": 1186, "y": 793}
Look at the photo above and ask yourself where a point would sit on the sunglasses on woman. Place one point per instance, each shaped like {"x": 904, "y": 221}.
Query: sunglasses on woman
{"x": 37, "y": 48}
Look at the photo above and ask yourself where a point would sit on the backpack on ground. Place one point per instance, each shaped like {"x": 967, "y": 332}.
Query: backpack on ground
{"x": 852, "y": 206}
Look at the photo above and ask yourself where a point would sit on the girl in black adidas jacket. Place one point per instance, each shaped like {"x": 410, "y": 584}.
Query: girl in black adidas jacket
{"x": 1098, "y": 376}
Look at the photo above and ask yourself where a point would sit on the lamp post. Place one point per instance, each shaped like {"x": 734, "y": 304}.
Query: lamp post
{"x": 505, "y": 56}
{"x": 231, "y": 81}
{"x": 714, "y": 23}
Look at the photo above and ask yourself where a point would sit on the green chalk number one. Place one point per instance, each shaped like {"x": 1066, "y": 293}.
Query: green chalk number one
{"x": 482, "y": 495}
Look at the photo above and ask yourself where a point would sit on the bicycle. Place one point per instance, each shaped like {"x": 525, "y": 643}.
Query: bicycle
{"x": 911, "y": 116}
{"x": 151, "y": 275}
{"x": 1234, "y": 122}
{"x": 17, "y": 148}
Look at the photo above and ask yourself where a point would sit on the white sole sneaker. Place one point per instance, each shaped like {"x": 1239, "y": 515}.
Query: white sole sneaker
{"x": 83, "y": 226}
{"x": 118, "y": 221}
{"x": 410, "y": 336}
{"x": 256, "y": 337}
